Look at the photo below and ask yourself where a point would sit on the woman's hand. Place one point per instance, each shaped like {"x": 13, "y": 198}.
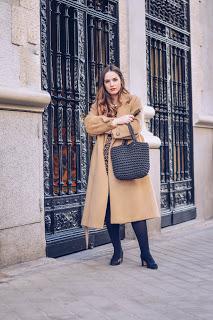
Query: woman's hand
{"x": 123, "y": 119}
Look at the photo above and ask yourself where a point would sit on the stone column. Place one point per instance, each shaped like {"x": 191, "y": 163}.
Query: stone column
{"x": 136, "y": 67}
{"x": 124, "y": 40}
{"x": 22, "y": 235}
{"x": 202, "y": 97}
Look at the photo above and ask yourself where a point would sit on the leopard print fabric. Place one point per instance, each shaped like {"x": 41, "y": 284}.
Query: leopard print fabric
{"x": 106, "y": 151}
{"x": 108, "y": 142}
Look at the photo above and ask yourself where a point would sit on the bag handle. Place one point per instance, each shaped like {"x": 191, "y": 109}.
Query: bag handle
{"x": 131, "y": 131}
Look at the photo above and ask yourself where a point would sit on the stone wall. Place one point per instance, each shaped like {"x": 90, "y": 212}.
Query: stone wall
{"x": 202, "y": 102}
{"x": 20, "y": 43}
{"x": 124, "y": 40}
{"x": 22, "y": 235}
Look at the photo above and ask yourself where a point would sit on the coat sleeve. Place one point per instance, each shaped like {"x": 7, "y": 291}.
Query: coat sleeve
{"x": 96, "y": 124}
{"x": 122, "y": 131}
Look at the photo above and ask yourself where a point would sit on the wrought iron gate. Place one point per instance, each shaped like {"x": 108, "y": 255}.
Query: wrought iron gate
{"x": 79, "y": 38}
{"x": 169, "y": 92}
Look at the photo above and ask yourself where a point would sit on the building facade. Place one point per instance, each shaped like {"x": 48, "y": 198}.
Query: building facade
{"x": 51, "y": 57}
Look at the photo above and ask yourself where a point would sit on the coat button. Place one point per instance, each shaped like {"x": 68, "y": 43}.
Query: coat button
{"x": 117, "y": 133}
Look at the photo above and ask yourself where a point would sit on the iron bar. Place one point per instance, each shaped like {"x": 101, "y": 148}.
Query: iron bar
{"x": 99, "y": 46}
{"x": 77, "y": 98}
{"x": 59, "y": 95}
{"x": 91, "y": 50}
{"x": 69, "y": 97}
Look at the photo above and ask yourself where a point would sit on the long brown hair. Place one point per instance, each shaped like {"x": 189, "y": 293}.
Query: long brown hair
{"x": 103, "y": 98}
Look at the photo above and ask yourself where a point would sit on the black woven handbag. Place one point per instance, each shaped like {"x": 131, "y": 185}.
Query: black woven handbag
{"x": 130, "y": 161}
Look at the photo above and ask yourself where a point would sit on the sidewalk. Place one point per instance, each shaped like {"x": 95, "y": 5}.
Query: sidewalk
{"x": 84, "y": 286}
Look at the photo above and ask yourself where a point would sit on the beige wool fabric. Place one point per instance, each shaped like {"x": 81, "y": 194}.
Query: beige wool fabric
{"x": 130, "y": 200}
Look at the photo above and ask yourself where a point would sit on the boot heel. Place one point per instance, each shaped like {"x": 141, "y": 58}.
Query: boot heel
{"x": 149, "y": 263}
{"x": 116, "y": 261}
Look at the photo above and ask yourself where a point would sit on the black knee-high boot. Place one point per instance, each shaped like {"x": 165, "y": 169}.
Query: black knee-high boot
{"x": 140, "y": 229}
{"x": 114, "y": 233}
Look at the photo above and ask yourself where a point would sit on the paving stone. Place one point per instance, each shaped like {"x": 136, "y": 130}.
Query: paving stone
{"x": 84, "y": 286}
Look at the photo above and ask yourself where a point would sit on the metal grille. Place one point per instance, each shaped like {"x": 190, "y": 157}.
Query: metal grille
{"x": 169, "y": 87}
{"x": 78, "y": 39}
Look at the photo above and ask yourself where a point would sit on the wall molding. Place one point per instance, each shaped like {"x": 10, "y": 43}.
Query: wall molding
{"x": 153, "y": 141}
{"x": 202, "y": 120}
{"x": 23, "y": 99}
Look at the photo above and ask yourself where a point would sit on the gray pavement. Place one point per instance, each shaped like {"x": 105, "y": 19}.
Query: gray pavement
{"x": 84, "y": 286}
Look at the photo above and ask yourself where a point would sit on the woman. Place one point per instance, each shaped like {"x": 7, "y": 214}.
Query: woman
{"x": 108, "y": 199}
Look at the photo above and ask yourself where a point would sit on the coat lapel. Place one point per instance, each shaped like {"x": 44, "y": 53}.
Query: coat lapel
{"x": 125, "y": 105}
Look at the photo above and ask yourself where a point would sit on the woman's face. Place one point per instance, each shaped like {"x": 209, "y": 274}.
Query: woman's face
{"x": 112, "y": 83}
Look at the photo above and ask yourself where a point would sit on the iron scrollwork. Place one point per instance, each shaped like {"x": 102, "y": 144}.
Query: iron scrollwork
{"x": 168, "y": 90}
{"x": 71, "y": 68}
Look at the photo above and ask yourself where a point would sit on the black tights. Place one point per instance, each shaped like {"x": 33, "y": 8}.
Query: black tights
{"x": 140, "y": 229}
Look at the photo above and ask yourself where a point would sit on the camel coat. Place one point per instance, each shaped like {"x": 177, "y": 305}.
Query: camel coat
{"x": 130, "y": 200}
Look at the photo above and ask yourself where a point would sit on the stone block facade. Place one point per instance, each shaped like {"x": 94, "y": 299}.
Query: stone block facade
{"x": 20, "y": 38}
{"x": 22, "y": 235}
